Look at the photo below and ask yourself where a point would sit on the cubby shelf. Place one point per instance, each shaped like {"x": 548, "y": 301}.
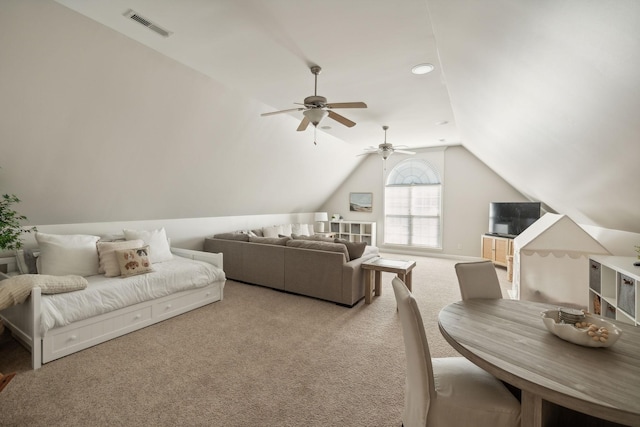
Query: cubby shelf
{"x": 355, "y": 231}
{"x": 613, "y": 288}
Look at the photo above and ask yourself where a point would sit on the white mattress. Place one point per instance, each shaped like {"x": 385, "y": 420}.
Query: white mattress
{"x": 105, "y": 294}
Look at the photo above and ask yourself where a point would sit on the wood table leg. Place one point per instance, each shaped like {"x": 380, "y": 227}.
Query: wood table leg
{"x": 378, "y": 283}
{"x": 408, "y": 280}
{"x": 368, "y": 278}
{"x": 532, "y": 414}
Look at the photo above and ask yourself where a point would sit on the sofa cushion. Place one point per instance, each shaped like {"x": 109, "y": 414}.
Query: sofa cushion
{"x": 356, "y": 249}
{"x": 319, "y": 246}
{"x": 232, "y": 236}
{"x": 315, "y": 237}
{"x": 281, "y": 241}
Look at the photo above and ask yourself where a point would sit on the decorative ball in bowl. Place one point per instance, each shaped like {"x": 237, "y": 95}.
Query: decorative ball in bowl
{"x": 592, "y": 332}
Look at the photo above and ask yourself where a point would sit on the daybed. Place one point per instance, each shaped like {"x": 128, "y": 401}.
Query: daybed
{"x": 307, "y": 265}
{"x": 108, "y": 306}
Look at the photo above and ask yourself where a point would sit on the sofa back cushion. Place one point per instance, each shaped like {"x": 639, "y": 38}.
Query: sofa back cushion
{"x": 356, "y": 249}
{"x": 320, "y": 246}
{"x": 315, "y": 237}
{"x": 232, "y": 236}
{"x": 281, "y": 241}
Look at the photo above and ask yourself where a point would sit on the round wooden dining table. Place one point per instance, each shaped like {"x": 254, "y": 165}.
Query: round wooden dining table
{"x": 508, "y": 339}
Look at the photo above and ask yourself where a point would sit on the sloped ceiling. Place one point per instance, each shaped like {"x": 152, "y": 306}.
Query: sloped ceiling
{"x": 546, "y": 93}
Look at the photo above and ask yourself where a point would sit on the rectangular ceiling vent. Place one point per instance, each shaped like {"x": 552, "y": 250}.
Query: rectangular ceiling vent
{"x": 150, "y": 25}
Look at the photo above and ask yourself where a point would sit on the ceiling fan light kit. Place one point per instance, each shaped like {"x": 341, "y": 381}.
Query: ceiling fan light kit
{"x": 316, "y": 108}
{"x": 385, "y": 149}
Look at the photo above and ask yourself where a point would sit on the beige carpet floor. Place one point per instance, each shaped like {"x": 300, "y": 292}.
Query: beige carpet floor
{"x": 257, "y": 358}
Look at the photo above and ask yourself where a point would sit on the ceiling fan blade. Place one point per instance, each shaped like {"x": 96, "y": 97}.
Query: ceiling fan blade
{"x": 303, "y": 124}
{"x": 341, "y": 119}
{"x": 347, "y": 105}
{"x": 282, "y": 111}
{"x": 404, "y": 152}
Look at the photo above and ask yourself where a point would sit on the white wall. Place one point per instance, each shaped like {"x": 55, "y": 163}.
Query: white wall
{"x": 468, "y": 186}
{"x": 96, "y": 127}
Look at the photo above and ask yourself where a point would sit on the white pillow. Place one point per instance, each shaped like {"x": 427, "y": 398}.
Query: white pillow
{"x": 109, "y": 265}
{"x": 300, "y": 229}
{"x": 62, "y": 255}
{"x": 159, "y": 250}
{"x": 273, "y": 231}
{"x": 286, "y": 230}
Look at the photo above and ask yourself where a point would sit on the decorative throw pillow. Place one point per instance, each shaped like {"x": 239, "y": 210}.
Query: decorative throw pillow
{"x": 356, "y": 249}
{"x": 134, "y": 261}
{"x": 26, "y": 261}
{"x": 159, "y": 249}
{"x": 286, "y": 229}
{"x": 61, "y": 255}
{"x": 109, "y": 265}
{"x": 16, "y": 289}
{"x": 272, "y": 231}
{"x": 300, "y": 229}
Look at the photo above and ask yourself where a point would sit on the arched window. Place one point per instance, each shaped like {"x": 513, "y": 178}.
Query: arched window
{"x": 413, "y": 205}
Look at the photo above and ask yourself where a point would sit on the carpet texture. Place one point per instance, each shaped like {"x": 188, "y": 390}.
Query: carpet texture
{"x": 259, "y": 357}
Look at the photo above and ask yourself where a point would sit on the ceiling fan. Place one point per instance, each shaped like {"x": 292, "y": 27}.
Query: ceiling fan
{"x": 316, "y": 107}
{"x": 385, "y": 149}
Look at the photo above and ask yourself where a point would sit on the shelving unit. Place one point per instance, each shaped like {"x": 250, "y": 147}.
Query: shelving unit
{"x": 355, "y": 231}
{"x": 613, "y": 288}
{"x": 496, "y": 249}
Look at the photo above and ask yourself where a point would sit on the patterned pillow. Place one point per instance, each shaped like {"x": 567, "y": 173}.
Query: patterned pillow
{"x": 134, "y": 261}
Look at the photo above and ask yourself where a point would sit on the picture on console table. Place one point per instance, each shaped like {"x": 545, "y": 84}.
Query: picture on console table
{"x": 361, "y": 202}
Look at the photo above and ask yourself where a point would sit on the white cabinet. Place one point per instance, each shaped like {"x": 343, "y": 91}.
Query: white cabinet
{"x": 613, "y": 288}
{"x": 355, "y": 231}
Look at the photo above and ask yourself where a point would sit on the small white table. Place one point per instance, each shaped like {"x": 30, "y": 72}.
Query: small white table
{"x": 376, "y": 266}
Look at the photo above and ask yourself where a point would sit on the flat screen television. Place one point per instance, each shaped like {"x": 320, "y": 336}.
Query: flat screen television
{"x": 511, "y": 218}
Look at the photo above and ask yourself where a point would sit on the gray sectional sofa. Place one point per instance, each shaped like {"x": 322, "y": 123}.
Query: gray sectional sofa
{"x": 302, "y": 265}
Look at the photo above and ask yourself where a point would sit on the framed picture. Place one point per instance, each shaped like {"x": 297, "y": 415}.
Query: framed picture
{"x": 361, "y": 202}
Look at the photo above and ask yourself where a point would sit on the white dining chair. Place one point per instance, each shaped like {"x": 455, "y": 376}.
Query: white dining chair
{"x": 448, "y": 391}
{"x": 478, "y": 280}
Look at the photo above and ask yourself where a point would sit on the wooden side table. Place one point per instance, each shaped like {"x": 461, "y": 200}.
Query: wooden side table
{"x": 376, "y": 266}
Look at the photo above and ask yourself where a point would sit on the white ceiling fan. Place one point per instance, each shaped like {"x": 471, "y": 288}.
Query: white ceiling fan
{"x": 316, "y": 107}
{"x": 386, "y": 149}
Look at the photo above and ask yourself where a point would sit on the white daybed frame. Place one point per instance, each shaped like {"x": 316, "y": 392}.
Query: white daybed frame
{"x": 24, "y": 319}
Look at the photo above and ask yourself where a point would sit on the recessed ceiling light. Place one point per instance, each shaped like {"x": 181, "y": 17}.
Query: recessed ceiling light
{"x": 442, "y": 122}
{"x": 422, "y": 68}
{"x": 325, "y": 127}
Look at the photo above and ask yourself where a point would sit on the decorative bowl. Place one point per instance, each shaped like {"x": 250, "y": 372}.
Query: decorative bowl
{"x": 580, "y": 335}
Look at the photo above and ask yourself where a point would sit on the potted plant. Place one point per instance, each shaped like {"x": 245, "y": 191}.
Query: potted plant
{"x": 11, "y": 229}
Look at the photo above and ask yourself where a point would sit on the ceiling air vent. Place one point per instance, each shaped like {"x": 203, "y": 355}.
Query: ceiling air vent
{"x": 150, "y": 25}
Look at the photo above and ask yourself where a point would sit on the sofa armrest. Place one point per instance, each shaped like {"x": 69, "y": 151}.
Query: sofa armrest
{"x": 353, "y": 277}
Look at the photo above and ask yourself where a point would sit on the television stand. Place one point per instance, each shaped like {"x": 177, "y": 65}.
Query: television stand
{"x": 496, "y": 248}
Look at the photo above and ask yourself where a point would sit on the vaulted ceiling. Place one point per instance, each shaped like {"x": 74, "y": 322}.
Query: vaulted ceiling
{"x": 546, "y": 93}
